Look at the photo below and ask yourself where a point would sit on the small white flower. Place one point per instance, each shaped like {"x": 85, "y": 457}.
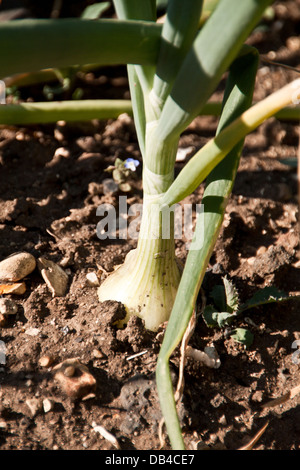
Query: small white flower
{"x": 131, "y": 164}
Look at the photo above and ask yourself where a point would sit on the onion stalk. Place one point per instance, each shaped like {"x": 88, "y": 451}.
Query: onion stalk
{"x": 173, "y": 69}
{"x": 166, "y": 98}
{"x": 148, "y": 280}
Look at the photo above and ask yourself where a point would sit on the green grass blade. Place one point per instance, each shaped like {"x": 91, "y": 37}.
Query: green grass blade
{"x": 41, "y": 113}
{"x": 179, "y": 31}
{"x": 238, "y": 97}
{"x": 67, "y": 42}
{"x": 216, "y": 45}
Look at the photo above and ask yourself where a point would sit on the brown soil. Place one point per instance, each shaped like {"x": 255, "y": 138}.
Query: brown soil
{"x": 48, "y": 208}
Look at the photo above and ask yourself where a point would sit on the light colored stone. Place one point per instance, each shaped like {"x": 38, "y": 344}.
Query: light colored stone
{"x": 48, "y": 405}
{"x": 34, "y": 405}
{"x": 8, "y": 306}
{"x": 62, "y": 152}
{"x": 46, "y": 361}
{"x": 32, "y": 331}
{"x": 184, "y": 153}
{"x": 98, "y": 354}
{"x": 80, "y": 384}
{"x": 54, "y": 276}
{"x": 2, "y": 353}
{"x": 69, "y": 371}
{"x": 261, "y": 250}
{"x": 223, "y": 420}
{"x": 17, "y": 266}
{"x": 92, "y": 279}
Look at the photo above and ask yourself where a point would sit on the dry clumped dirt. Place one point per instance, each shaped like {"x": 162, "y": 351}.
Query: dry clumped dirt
{"x": 68, "y": 369}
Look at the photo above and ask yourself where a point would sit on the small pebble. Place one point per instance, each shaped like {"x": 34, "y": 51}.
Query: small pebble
{"x": 223, "y": 420}
{"x": 184, "y": 153}
{"x": 79, "y": 386}
{"x": 3, "y": 425}
{"x": 92, "y": 279}
{"x": 110, "y": 186}
{"x": 54, "y": 276}
{"x": 293, "y": 43}
{"x": 34, "y": 405}
{"x": 69, "y": 371}
{"x": 257, "y": 396}
{"x": 32, "y": 331}
{"x": 46, "y": 361}
{"x": 88, "y": 397}
{"x": 17, "y": 266}
{"x": 48, "y": 405}
{"x": 98, "y": 354}
{"x": 8, "y": 306}
{"x": 62, "y": 152}
{"x": 65, "y": 329}
{"x": 2, "y": 353}
{"x": 261, "y": 250}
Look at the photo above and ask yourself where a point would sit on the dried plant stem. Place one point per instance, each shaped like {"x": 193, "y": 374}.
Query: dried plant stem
{"x": 254, "y": 440}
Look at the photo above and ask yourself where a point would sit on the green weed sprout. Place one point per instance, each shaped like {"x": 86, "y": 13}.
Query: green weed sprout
{"x": 173, "y": 69}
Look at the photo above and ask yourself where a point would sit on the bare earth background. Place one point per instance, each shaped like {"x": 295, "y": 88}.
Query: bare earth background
{"x": 48, "y": 205}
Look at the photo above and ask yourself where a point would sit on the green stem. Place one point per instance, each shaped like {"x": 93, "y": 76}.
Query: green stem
{"x": 179, "y": 31}
{"x": 31, "y": 113}
{"x": 159, "y": 156}
{"x": 86, "y": 110}
{"x": 237, "y": 98}
{"x": 68, "y": 42}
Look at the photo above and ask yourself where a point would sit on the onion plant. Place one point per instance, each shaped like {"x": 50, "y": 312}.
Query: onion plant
{"x": 166, "y": 98}
{"x": 173, "y": 69}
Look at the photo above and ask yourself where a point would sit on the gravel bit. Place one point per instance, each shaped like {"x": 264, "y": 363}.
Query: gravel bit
{"x": 17, "y": 266}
